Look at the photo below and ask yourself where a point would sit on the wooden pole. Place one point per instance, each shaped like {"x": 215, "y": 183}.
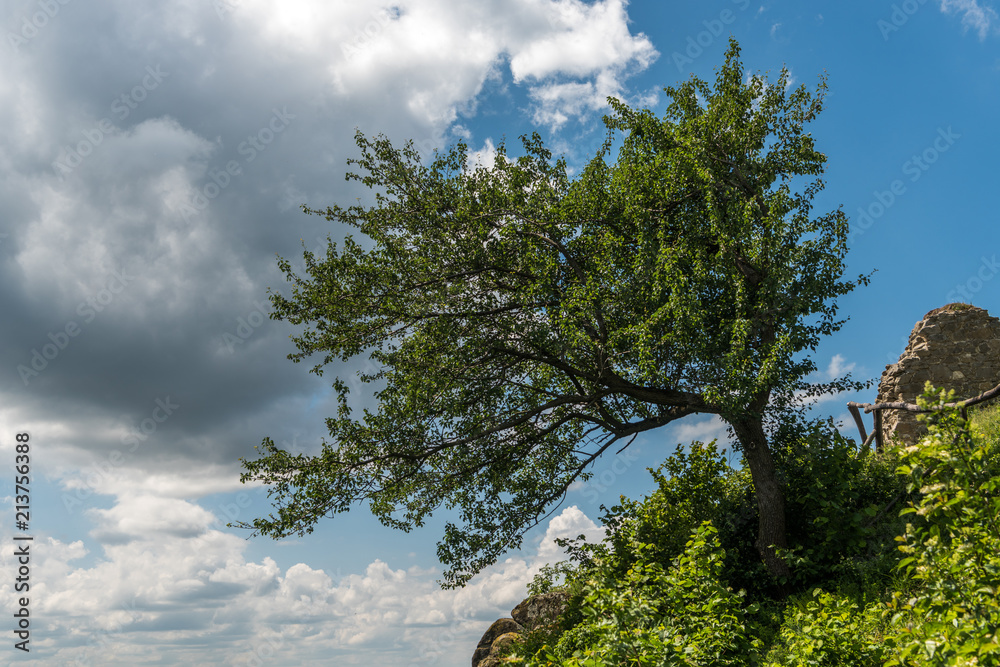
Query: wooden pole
{"x": 857, "y": 420}
{"x": 910, "y": 407}
{"x": 879, "y": 444}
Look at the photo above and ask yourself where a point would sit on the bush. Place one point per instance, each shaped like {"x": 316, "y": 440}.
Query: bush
{"x": 952, "y": 546}
{"x": 829, "y": 630}
{"x": 693, "y": 486}
{"x": 840, "y": 516}
{"x": 676, "y": 617}
{"x": 652, "y": 595}
{"x": 839, "y": 503}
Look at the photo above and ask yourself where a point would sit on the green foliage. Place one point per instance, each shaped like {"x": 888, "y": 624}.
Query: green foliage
{"x": 839, "y": 502}
{"x": 523, "y": 321}
{"x": 549, "y": 577}
{"x": 933, "y": 601}
{"x": 823, "y": 629}
{"x": 680, "y": 616}
{"x": 836, "y": 496}
{"x": 728, "y": 240}
{"x": 842, "y": 522}
{"x": 695, "y": 485}
{"x": 952, "y": 546}
{"x": 985, "y": 425}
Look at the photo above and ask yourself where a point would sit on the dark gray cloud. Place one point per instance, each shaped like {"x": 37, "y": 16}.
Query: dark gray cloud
{"x": 153, "y": 158}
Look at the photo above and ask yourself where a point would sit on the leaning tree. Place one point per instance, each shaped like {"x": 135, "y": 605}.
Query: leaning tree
{"x": 523, "y": 321}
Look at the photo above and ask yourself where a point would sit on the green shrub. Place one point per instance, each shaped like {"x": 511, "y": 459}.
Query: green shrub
{"x": 840, "y": 513}
{"x": 680, "y": 616}
{"x": 822, "y": 629}
{"x": 693, "y": 486}
{"x": 838, "y": 503}
{"x": 650, "y": 595}
{"x": 952, "y": 546}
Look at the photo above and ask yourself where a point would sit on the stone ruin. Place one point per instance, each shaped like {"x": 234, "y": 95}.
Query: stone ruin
{"x": 954, "y": 347}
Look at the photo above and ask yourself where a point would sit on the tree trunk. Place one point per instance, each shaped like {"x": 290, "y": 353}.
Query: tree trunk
{"x": 770, "y": 497}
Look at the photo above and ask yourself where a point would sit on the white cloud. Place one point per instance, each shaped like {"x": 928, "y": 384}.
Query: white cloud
{"x": 484, "y": 157}
{"x": 169, "y": 583}
{"x": 584, "y": 40}
{"x": 158, "y": 574}
{"x": 437, "y": 54}
{"x": 837, "y": 367}
{"x": 570, "y": 523}
{"x": 556, "y": 103}
{"x": 705, "y": 430}
{"x": 978, "y": 17}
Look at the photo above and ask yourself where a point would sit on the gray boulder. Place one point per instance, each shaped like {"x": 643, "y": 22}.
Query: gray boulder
{"x": 499, "y": 628}
{"x": 541, "y": 609}
{"x": 533, "y": 612}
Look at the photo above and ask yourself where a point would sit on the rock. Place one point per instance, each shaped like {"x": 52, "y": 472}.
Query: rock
{"x": 491, "y": 658}
{"x": 955, "y": 347}
{"x": 533, "y": 612}
{"x": 540, "y": 609}
{"x": 499, "y": 628}
{"x": 503, "y": 641}
{"x": 481, "y": 655}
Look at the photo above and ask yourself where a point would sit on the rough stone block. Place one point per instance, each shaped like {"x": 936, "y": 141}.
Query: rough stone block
{"x": 955, "y": 347}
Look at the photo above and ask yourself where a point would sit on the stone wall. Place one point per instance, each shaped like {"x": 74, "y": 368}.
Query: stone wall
{"x": 955, "y": 347}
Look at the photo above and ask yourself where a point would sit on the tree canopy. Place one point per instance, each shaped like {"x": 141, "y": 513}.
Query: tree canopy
{"x": 525, "y": 320}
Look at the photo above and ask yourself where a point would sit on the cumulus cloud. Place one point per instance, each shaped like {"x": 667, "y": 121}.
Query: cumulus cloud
{"x": 584, "y": 40}
{"x": 837, "y": 368}
{"x": 147, "y": 194}
{"x": 484, "y": 157}
{"x": 166, "y": 579}
{"x": 147, "y": 186}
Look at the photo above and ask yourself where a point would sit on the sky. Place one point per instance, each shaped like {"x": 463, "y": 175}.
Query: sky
{"x": 154, "y": 156}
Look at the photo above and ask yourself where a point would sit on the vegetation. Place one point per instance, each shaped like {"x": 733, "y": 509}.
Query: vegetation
{"x": 524, "y": 322}
{"x": 899, "y": 563}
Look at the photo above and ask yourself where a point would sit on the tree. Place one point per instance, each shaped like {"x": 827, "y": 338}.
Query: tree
{"x": 524, "y": 322}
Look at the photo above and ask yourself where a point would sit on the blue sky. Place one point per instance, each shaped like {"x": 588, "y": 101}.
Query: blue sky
{"x": 154, "y": 156}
